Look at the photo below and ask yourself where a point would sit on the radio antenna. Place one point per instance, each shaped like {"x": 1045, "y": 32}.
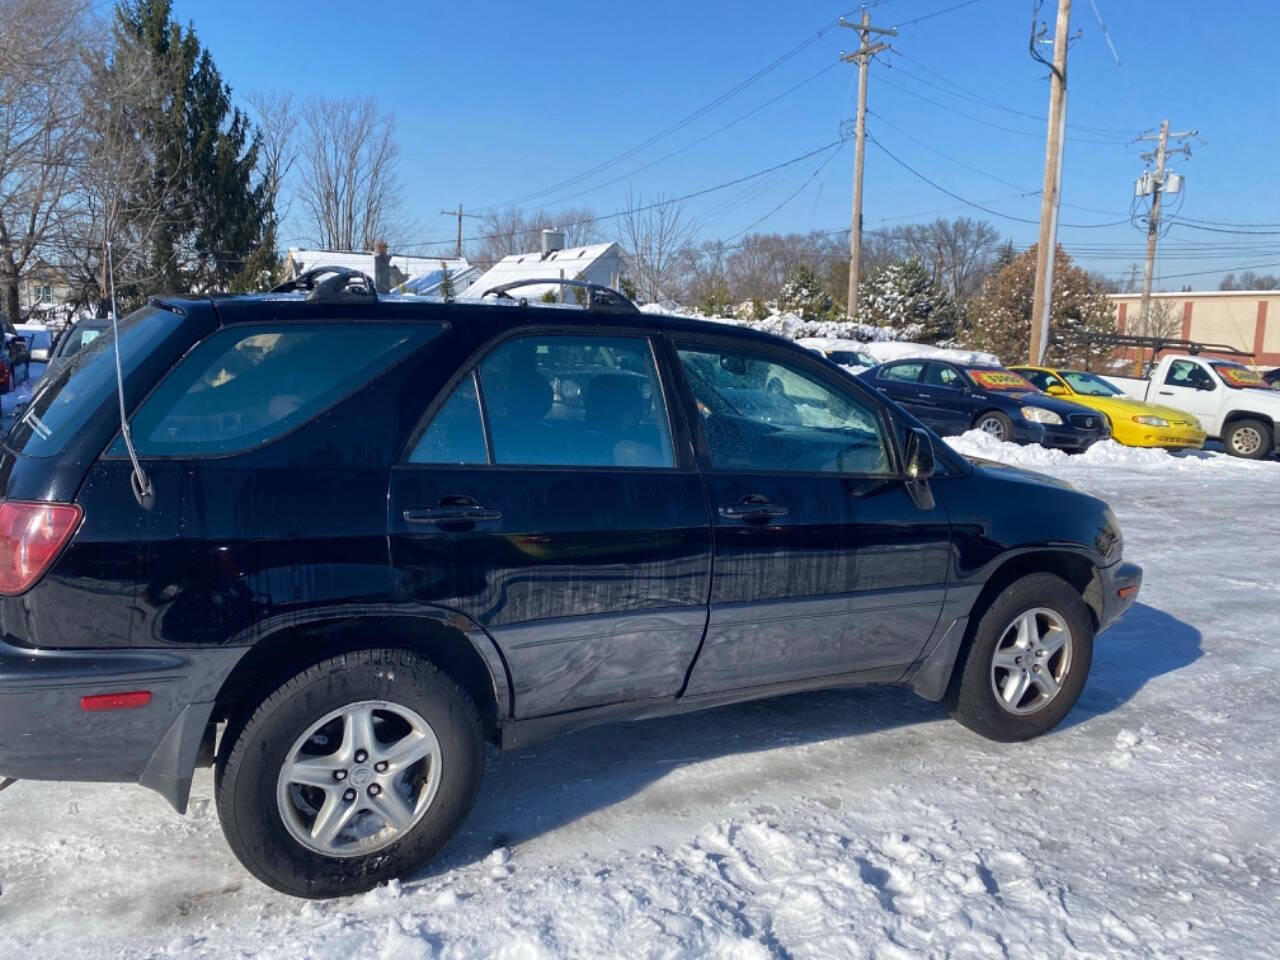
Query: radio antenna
{"x": 138, "y": 480}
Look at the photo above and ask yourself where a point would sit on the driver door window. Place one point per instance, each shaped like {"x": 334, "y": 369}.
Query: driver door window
{"x": 1189, "y": 374}
{"x": 761, "y": 413}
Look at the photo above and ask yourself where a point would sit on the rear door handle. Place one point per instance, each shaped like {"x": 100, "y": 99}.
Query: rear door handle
{"x": 924, "y": 396}
{"x": 753, "y": 509}
{"x": 452, "y": 510}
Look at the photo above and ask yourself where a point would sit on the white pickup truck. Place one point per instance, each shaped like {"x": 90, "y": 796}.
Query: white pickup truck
{"x": 1233, "y": 403}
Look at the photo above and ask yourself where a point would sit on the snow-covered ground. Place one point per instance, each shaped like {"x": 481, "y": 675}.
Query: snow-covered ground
{"x": 839, "y": 824}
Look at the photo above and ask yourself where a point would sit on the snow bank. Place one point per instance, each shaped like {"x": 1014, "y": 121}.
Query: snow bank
{"x": 976, "y": 443}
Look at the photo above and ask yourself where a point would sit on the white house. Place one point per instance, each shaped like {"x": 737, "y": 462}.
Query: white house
{"x": 598, "y": 263}
{"x": 402, "y": 270}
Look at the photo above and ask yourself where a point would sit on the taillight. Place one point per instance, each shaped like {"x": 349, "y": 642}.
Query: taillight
{"x": 31, "y": 536}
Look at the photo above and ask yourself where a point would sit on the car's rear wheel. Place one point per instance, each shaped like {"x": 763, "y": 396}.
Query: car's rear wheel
{"x": 1026, "y": 662}
{"x": 1250, "y": 439}
{"x": 353, "y": 772}
{"x": 995, "y": 423}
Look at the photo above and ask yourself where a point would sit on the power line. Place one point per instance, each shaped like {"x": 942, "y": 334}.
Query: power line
{"x": 977, "y": 206}
{"x": 675, "y": 127}
{"x": 688, "y": 146}
{"x": 937, "y": 13}
{"x": 668, "y": 200}
{"x": 822, "y": 166}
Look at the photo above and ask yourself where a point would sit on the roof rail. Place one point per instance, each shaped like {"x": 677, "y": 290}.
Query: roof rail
{"x": 599, "y": 297}
{"x": 330, "y": 284}
{"x": 1157, "y": 344}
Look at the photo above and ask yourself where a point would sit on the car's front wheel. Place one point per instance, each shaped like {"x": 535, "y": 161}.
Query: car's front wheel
{"x": 995, "y": 423}
{"x": 1026, "y": 661}
{"x": 353, "y": 772}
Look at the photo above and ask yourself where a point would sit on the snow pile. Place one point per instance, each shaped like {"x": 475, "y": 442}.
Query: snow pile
{"x": 976, "y": 443}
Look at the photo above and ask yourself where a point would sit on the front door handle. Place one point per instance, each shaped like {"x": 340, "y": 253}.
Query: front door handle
{"x": 1165, "y": 393}
{"x": 753, "y": 509}
{"x": 452, "y": 510}
{"x": 924, "y": 396}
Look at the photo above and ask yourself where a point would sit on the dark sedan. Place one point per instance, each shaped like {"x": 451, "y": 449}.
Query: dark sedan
{"x": 952, "y": 398}
{"x": 1273, "y": 378}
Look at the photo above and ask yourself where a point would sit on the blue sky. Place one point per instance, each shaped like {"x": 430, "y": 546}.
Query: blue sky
{"x": 495, "y": 101}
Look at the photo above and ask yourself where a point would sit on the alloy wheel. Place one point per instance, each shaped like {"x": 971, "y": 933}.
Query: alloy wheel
{"x": 993, "y": 426}
{"x": 359, "y": 778}
{"x": 1031, "y": 661}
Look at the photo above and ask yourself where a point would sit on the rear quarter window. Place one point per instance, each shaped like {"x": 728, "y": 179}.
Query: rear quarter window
{"x": 245, "y": 386}
{"x": 63, "y": 404}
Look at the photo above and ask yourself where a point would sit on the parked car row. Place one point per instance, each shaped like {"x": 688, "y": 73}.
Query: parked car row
{"x": 951, "y": 398}
{"x": 1234, "y": 403}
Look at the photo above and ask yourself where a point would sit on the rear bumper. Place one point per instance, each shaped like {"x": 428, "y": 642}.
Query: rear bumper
{"x": 46, "y": 735}
{"x": 1121, "y": 583}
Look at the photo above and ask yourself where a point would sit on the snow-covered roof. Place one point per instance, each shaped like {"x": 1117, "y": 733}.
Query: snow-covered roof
{"x": 304, "y": 259}
{"x": 428, "y": 284}
{"x": 571, "y": 263}
{"x": 886, "y": 350}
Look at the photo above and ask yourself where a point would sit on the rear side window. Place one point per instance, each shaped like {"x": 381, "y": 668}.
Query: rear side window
{"x": 245, "y": 386}
{"x": 456, "y": 434}
{"x": 64, "y": 404}
{"x": 909, "y": 372}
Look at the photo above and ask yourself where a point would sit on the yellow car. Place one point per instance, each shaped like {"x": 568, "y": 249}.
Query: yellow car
{"x": 1133, "y": 422}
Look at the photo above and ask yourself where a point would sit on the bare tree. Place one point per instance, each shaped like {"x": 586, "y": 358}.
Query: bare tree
{"x": 655, "y": 235}
{"x": 513, "y": 230}
{"x": 121, "y": 201}
{"x": 277, "y": 120}
{"x": 41, "y": 72}
{"x": 350, "y": 186}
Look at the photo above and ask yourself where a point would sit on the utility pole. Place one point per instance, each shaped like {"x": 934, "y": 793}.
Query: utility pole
{"x": 1051, "y": 192}
{"x": 862, "y": 56}
{"x": 459, "y": 214}
{"x": 1155, "y": 185}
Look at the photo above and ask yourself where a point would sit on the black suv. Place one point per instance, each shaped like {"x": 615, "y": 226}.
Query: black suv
{"x": 364, "y": 536}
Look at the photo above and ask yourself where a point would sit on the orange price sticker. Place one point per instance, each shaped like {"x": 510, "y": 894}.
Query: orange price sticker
{"x": 1241, "y": 377}
{"x": 1000, "y": 380}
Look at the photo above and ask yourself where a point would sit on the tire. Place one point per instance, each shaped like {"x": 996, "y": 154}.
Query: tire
{"x": 1051, "y": 603}
{"x": 995, "y": 423}
{"x": 1249, "y": 439}
{"x": 386, "y": 699}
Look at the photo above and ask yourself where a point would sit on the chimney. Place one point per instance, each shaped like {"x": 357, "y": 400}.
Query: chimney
{"x": 552, "y": 240}
{"x": 381, "y": 267}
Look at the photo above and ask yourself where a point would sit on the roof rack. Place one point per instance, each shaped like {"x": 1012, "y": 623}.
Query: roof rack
{"x": 330, "y": 284}
{"x": 1158, "y": 344}
{"x": 599, "y": 297}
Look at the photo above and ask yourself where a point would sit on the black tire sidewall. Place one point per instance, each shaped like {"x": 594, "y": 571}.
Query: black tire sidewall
{"x": 1264, "y": 449}
{"x": 970, "y": 698}
{"x": 249, "y": 770}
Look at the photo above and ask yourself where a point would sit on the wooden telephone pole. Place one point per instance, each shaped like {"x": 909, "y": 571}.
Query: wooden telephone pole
{"x": 1050, "y": 195}
{"x": 862, "y": 56}
{"x": 459, "y": 214}
{"x": 1155, "y": 185}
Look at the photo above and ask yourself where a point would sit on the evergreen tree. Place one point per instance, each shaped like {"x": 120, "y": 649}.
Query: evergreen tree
{"x": 1002, "y": 316}
{"x": 447, "y": 292}
{"x": 802, "y": 293}
{"x": 220, "y": 218}
{"x": 903, "y": 297}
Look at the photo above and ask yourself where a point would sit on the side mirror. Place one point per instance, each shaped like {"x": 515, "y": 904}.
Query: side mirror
{"x": 918, "y": 456}
{"x": 1056, "y": 390}
{"x": 1204, "y": 384}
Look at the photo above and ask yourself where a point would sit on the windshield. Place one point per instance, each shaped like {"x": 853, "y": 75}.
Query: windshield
{"x": 65, "y": 404}
{"x": 1238, "y": 377}
{"x": 77, "y": 339}
{"x": 1090, "y": 384}
{"x": 1006, "y": 380}
{"x": 850, "y": 358}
